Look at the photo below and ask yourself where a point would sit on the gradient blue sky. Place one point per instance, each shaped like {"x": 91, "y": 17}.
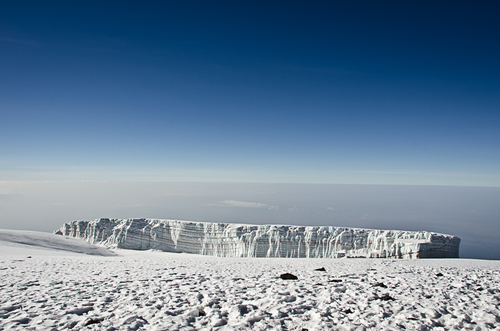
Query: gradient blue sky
{"x": 354, "y": 92}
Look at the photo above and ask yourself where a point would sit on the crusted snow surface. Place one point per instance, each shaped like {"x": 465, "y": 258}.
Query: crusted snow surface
{"x": 240, "y": 240}
{"x": 143, "y": 290}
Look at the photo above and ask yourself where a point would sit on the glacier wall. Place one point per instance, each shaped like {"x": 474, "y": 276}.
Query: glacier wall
{"x": 240, "y": 240}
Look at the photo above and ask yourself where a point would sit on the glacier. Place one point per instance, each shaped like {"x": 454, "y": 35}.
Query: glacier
{"x": 243, "y": 240}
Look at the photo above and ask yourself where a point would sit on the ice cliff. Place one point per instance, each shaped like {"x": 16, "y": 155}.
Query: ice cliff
{"x": 240, "y": 240}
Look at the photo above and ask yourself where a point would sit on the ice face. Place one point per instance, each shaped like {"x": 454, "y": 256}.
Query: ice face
{"x": 239, "y": 240}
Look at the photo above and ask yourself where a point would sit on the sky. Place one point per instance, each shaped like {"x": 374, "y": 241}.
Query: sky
{"x": 352, "y": 92}
{"x": 106, "y": 105}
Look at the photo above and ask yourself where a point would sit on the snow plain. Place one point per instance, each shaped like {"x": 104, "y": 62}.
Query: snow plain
{"x": 64, "y": 287}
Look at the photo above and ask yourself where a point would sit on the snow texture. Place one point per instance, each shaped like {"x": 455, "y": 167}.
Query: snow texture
{"x": 46, "y": 289}
{"x": 239, "y": 240}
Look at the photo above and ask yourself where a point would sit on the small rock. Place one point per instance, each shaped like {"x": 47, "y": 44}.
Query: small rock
{"x": 71, "y": 324}
{"x": 439, "y": 324}
{"x": 380, "y": 285}
{"x": 386, "y": 297}
{"x": 320, "y": 269}
{"x": 219, "y": 322}
{"x": 288, "y": 276}
{"x": 428, "y": 296}
{"x": 29, "y": 257}
{"x": 439, "y": 275}
{"x": 480, "y": 288}
{"x": 348, "y": 311}
{"x": 335, "y": 280}
{"x": 92, "y": 321}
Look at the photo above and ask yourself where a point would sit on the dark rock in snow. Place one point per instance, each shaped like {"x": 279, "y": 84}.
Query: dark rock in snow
{"x": 335, "y": 280}
{"x": 71, "y": 325}
{"x": 380, "y": 285}
{"x": 92, "y": 321}
{"x": 288, "y": 276}
{"x": 348, "y": 311}
{"x": 320, "y": 269}
{"x": 386, "y": 297}
{"x": 439, "y": 275}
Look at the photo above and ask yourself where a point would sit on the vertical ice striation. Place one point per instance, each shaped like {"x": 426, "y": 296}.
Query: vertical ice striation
{"x": 240, "y": 240}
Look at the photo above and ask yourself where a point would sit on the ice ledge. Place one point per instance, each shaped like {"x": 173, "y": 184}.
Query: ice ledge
{"x": 240, "y": 240}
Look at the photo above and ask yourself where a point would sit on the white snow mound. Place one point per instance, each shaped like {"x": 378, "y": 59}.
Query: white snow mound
{"x": 14, "y": 240}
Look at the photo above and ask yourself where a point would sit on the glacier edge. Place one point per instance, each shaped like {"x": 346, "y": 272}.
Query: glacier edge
{"x": 242, "y": 240}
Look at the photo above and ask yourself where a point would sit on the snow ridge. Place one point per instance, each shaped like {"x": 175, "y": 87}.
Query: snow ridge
{"x": 240, "y": 240}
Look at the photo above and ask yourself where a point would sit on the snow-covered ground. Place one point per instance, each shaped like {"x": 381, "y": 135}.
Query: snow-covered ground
{"x": 57, "y": 287}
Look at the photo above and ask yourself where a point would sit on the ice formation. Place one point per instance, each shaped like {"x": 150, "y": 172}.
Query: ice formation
{"x": 240, "y": 240}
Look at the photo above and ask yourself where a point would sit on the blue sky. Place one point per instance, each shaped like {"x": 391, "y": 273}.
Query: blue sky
{"x": 352, "y": 92}
{"x": 141, "y": 109}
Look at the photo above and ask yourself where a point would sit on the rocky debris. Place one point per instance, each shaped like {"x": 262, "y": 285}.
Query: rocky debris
{"x": 335, "y": 280}
{"x": 92, "y": 321}
{"x": 288, "y": 276}
{"x": 380, "y": 285}
{"x": 386, "y": 297}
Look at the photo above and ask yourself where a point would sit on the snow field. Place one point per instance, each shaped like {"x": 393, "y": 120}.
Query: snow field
{"x": 167, "y": 291}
